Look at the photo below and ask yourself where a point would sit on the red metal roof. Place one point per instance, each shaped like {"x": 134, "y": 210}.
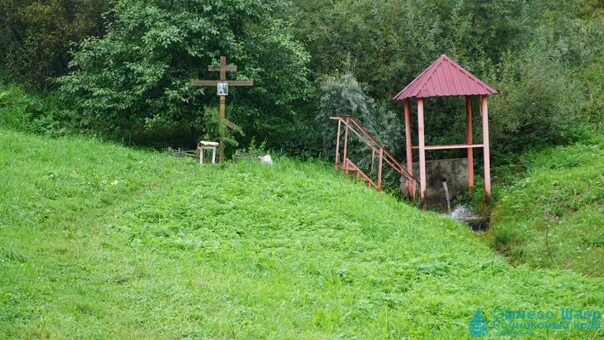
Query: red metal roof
{"x": 445, "y": 78}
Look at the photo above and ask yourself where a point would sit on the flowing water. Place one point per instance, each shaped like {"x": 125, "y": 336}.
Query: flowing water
{"x": 447, "y": 196}
{"x": 464, "y": 213}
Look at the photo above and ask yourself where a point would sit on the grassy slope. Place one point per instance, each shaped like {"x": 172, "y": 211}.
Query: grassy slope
{"x": 565, "y": 191}
{"x": 101, "y": 241}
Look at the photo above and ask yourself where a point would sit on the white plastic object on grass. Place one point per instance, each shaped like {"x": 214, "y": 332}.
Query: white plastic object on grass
{"x": 266, "y": 159}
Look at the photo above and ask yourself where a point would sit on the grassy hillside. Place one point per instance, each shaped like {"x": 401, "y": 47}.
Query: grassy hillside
{"x": 97, "y": 240}
{"x": 555, "y": 216}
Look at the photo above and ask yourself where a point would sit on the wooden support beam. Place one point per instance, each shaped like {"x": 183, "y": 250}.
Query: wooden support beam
{"x": 484, "y": 112}
{"x": 221, "y": 127}
{"x": 231, "y": 125}
{"x": 450, "y": 147}
{"x": 223, "y": 68}
{"x": 338, "y": 144}
{"x": 232, "y": 83}
{"x": 469, "y": 142}
{"x": 228, "y": 68}
{"x": 380, "y": 162}
{"x": 200, "y": 83}
{"x": 372, "y": 162}
{"x": 344, "y": 159}
{"x": 238, "y": 83}
{"x": 407, "y": 112}
{"x": 422, "y": 152}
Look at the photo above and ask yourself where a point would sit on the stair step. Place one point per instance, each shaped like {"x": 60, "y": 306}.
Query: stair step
{"x": 352, "y": 170}
{"x": 385, "y": 158}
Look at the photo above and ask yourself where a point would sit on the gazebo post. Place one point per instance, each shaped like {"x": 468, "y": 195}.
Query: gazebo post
{"x": 469, "y": 142}
{"x": 345, "y": 157}
{"x": 422, "y": 151}
{"x": 444, "y": 77}
{"x": 485, "y": 141}
{"x": 407, "y": 109}
{"x": 338, "y": 144}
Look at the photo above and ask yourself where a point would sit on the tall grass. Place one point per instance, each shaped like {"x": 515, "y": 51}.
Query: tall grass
{"x": 100, "y": 241}
{"x": 554, "y": 218}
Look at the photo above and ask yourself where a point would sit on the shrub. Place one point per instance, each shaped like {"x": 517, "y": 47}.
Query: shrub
{"x": 36, "y": 36}
{"x": 139, "y": 74}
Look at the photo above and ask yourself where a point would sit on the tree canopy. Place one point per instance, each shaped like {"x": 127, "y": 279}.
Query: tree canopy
{"x": 36, "y": 36}
{"x": 131, "y": 69}
{"x": 139, "y": 74}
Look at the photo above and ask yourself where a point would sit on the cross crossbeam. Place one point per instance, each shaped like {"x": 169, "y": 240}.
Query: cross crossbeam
{"x": 232, "y": 83}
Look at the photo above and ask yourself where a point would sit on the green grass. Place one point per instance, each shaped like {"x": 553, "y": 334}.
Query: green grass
{"x": 554, "y": 217}
{"x": 101, "y": 241}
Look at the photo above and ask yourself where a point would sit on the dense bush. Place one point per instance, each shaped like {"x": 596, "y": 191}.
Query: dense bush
{"x": 20, "y": 110}
{"x": 139, "y": 75}
{"x": 537, "y": 102}
{"x": 36, "y": 36}
{"x": 340, "y": 95}
{"x": 544, "y": 58}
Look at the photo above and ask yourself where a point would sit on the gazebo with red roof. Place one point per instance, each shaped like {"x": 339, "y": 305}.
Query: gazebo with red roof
{"x": 446, "y": 78}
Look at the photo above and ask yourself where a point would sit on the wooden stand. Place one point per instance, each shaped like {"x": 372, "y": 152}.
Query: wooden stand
{"x": 203, "y": 146}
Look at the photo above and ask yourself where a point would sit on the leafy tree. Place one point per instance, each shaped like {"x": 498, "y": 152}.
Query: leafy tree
{"x": 36, "y": 36}
{"x": 537, "y": 102}
{"x": 138, "y": 76}
{"x": 340, "y": 95}
{"x": 543, "y": 57}
{"x": 344, "y": 95}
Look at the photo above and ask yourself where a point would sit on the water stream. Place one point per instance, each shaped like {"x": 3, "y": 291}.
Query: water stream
{"x": 447, "y": 195}
{"x": 465, "y": 214}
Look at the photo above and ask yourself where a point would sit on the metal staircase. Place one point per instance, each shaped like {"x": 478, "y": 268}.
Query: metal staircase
{"x": 352, "y": 127}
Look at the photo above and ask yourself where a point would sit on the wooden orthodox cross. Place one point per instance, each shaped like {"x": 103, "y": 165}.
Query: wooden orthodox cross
{"x": 222, "y": 88}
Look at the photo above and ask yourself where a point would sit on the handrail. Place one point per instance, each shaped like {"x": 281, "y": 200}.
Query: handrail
{"x": 390, "y": 159}
{"x": 346, "y": 164}
{"x": 394, "y": 163}
{"x": 358, "y": 125}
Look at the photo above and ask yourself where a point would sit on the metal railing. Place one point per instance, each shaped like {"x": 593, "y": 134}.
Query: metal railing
{"x": 384, "y": 156}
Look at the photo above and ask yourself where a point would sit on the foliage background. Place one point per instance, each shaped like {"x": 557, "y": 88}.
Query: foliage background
{"x": 36, "y": 37}
{"x": 138, "y": 76}
{"x": 132, "y": 62}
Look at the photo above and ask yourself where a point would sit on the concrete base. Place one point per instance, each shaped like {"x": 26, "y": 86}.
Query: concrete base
{"x": 454, "y": 171}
